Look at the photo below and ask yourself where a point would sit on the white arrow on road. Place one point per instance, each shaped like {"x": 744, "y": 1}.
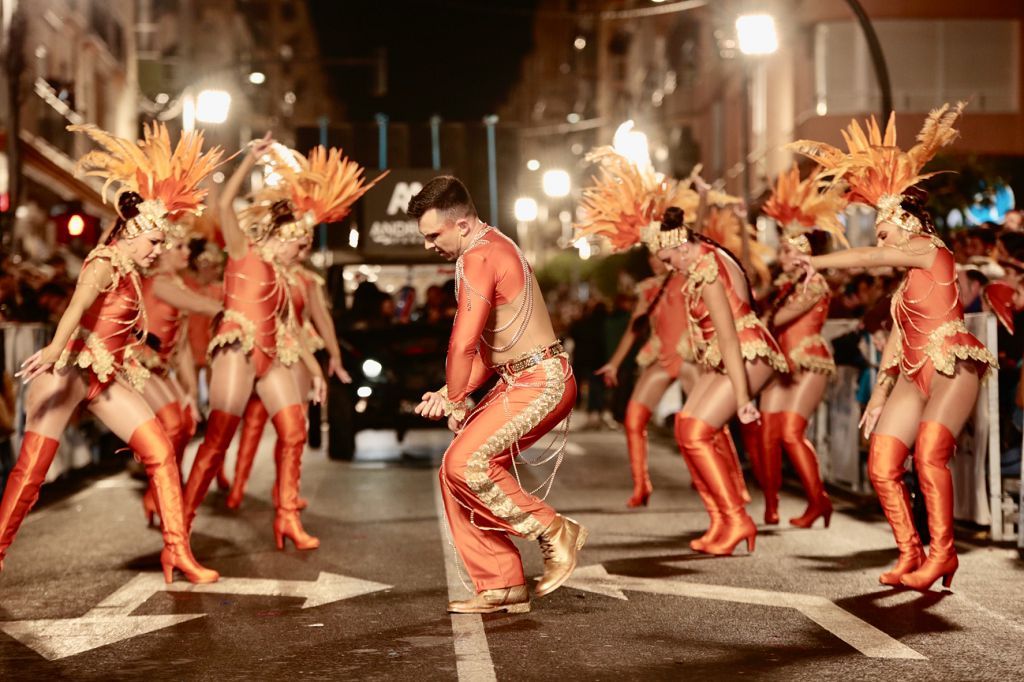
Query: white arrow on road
{"x": 111, "y": 621}
{"x": 859, "y": 634}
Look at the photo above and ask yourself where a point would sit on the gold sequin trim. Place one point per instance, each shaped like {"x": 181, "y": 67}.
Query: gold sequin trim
{"x": 704, "y": 271}
{"x": 486, "y": 490}
{"x": 812, "y": 363}
{"x": 244, "y": 335}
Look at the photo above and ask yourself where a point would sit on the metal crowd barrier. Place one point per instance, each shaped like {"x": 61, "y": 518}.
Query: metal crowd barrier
{"x": 977, "y": 475}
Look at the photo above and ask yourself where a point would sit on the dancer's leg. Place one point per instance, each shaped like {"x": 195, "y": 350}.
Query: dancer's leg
{"x": 650, "y": 388}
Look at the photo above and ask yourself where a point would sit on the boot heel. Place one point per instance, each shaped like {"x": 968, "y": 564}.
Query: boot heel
{"x": 581, "y": 539}
{"x": 947, "y": 580}
{"x": 279, "y": 539}
{"x": 750, "y": 543}
{"x": 168, "y": 573}
{"x": 828, "y": 519}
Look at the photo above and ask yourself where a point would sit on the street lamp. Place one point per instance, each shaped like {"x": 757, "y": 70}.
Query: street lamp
{"x": 556, "y": 183}
{"x": 212, "y": 106}
{"x": 632, "y": 144}
{"x": 757, "y": 37}
{"x": 526, "y": 209}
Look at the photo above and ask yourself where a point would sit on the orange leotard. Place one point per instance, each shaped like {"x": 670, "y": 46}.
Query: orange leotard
{"x": 107, "y": 338}
{"x": 491, "y": 273}
{"x": 800, "y": 339}
{"x": 165, "y": 323}
{"x": 256, "y": 312}
{"x": 929, "y": 319}
{"x": 199, "y": 325}
{"x": 755, "y": 339}
{"x": 300, "y": 286}
{"x": 669, "y": 343}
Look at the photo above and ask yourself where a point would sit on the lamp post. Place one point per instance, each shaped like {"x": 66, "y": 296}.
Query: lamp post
{"x": 757, "y": 37}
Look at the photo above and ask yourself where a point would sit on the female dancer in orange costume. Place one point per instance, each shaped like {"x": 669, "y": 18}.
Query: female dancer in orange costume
{"x": 315, "y": 331}
{"x": 91, "y": 359}
{"x": 931, "y": 366}
{"x": 257, "y": 340}
{"x": 501, "y": 327}
{"x": 738, "y": 357}
{"x": 796, "y": 319}
{"x": 165, "y": 297}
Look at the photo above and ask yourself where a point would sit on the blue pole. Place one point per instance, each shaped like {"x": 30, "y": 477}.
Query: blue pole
{"x": 323, "y": 121}
{"x": 435, "y": 141}
{"x": 492, "y": 165}
{"x": 382, "y": 140}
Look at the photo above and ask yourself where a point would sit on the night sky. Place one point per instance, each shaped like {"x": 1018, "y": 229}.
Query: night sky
{"x": 455, "y": 58}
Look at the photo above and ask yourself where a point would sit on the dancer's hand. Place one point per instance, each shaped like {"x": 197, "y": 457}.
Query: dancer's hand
{"x": 869, "y": 419}
{"x": 454, "y": 425}
{"x": 748, "y": 413}
{"x": 335, "y": 367}
{"x": 319, "y": 392}
{"x": 610, "y": 372}
{"x": 431, "y": 405}
{"x": 39, "y": 362}
{"x": 262, "y": 146}
{"x": 803, "y": 261}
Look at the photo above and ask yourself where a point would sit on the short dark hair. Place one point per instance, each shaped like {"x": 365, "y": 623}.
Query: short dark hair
{"x": 447, "y": 194}
{"x": 975, "y": 275}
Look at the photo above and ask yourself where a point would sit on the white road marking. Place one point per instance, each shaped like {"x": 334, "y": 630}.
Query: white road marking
{"x": 859, "y": 634}
{"x": 111, "y": 621}
{"x": 472, "y": 656}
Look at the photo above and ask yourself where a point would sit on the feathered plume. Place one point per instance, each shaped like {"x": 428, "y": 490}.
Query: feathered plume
{"x": 328, "y": 184}
{"x": 874, "y": 166}
{"x": 804, "y": 205}
{"x": 150, "y": 167}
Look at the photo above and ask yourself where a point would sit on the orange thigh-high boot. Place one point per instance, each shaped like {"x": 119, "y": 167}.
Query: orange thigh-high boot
{"x": 771, "y": 471}
{"x": 726, "y": 447}
{"x": 188, "y": 429}
{"x": 254, "y": 419}
{"x": 886, "y": 458}
{"x": 637, "y": 417}
{"x": 153, "y": 448}
{"x": 220, "y": 429}
{"x": 23, "y": 484}
{"x": 484, "y": 503}
{"x": 932, "y": 451}
{"x": 805, "y": 461}
{"x": 169, "y": 417}
{"x": 697, "y": 438}
{"x": 700, "y": 486}
{"x": 290, "y": 424}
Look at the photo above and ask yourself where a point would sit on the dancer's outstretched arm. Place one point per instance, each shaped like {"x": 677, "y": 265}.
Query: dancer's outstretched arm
{"x": 610, "y": 370}
{"x": 729, "y": 345}
{"x": 913, "y": 256}
{"x": 318, "y": 313}
{"x": 96, "y": 277}
{"x": 177, "y": 295}
{"x": 883, "y": 387}
{"x": 234, "y": 239}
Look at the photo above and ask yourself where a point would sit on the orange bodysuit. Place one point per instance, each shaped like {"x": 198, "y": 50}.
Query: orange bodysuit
{"x": 107, "y": 338}
{"x": 669, "y": 343}
{"x": 483, "y": 501}
{"x": 929, "y": 319}
{"x": 800, "y": 339}
{"x": 300, "y": 287}
{"x": 755, "y": 339}
{"x": 165, "y": 322}
{"x": 256, "y": 312}
{"x": 199, "y": 325}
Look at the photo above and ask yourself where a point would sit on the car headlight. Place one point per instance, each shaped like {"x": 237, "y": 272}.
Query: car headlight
{"x": 372, "y": 369}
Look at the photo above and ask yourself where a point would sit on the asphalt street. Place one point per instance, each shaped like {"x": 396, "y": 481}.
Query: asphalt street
{"x": 81, "y": 598}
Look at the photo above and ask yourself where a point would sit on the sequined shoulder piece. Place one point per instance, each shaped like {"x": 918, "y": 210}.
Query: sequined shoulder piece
{"x": 704, "y": 271}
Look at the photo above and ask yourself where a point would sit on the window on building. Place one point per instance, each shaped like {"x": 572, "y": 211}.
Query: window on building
{"x": 929, "y": 62}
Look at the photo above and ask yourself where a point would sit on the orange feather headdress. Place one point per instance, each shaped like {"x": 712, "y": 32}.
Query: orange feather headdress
{"x": 801, "y": 206}
{"x": 167, "y": 179}
{"x": 876, "y": 170}
{"x": 320, "y": 188}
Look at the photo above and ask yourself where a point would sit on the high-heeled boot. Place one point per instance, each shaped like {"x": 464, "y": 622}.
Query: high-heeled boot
{"x": 290, "y": 424}
{"x": 886, "y": 458}
{"x": 220, "y": 429}
{"x": 805, "y": 461}
{"x": 637, "y": 417}
{"x": 726, "y": 447}
{"x": 765, "y": 471}
{"x": 933, "y": 449}
{"x": 153, "y": 448}
{"x": 254, "y": 419}
{"x": 188, "y": 429}
{"x": 169, "y": 417}
{"x": 698, "y": 441}
{"x": 715, "y": 526}
{"x": 22, "y": 490}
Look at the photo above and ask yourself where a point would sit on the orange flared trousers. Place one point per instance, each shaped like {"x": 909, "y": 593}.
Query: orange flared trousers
{"x": 483, "y": 501}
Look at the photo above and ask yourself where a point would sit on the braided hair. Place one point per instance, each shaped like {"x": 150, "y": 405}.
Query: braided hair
{"x": 914, "y": 201}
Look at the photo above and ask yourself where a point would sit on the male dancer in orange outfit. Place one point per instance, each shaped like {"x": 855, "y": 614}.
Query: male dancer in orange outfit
{"x": 501, "y": 327}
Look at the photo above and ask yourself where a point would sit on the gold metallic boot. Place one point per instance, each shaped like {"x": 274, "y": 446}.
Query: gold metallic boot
{"x": 514, "y": 599}
{"x": 560, "y": 543}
